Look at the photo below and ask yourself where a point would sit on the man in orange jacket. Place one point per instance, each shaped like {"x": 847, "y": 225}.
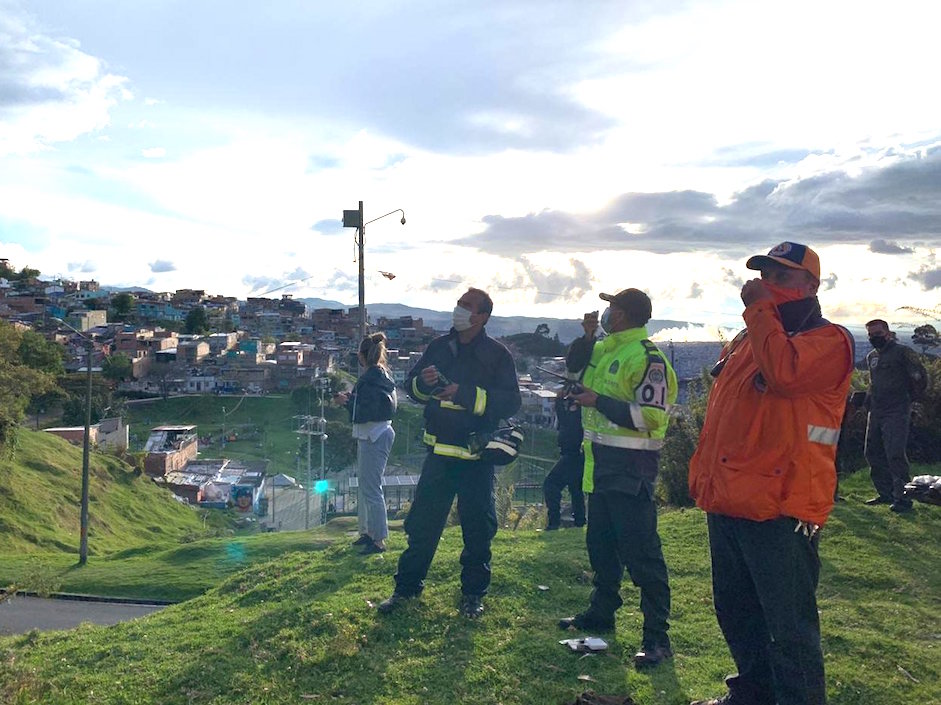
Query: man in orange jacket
{"x": 764, "y": 472}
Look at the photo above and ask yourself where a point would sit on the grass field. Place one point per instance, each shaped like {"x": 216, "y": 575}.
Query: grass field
{"x": 265, "y": 426}
{"x": 40, "y": 489}
{"x": 292, "y": 623}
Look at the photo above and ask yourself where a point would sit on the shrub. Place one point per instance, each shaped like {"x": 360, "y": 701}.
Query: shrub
{"x": 680, "y": 444}
{"x": 925, "y": 441}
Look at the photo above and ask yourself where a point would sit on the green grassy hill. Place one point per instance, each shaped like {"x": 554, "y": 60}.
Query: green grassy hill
{"x": 40, "y": 492}
{"x": 266, "y": 424}
{"x": 299, "y": 628}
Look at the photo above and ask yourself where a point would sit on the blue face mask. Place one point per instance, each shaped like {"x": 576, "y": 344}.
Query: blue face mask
{"x": 605, "y": 321}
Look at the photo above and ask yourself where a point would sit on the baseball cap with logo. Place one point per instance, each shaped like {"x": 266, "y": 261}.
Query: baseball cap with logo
{"x": 790, "y": 254}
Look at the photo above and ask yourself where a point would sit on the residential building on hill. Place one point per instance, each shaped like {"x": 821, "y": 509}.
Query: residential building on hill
{"x": 85, "y": 320}
{"x": 108, "y": 433}
{"x": 169, "y": 449}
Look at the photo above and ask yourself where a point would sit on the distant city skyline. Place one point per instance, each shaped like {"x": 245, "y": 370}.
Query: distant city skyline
{"x": 545, "y": 151}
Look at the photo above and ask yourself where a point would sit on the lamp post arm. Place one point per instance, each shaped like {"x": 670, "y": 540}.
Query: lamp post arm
{"x": 355, "y": 219}
{"x": 397, "y": 210}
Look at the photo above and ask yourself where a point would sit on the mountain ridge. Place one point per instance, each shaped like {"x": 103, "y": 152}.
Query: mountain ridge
{"x": 499, "y": 326}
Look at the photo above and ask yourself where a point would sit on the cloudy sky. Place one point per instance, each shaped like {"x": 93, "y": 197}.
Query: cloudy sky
{"x": 544, "y": 149}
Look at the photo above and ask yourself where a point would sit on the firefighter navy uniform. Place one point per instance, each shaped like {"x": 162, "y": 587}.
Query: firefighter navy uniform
{"x": 456, "y": 432}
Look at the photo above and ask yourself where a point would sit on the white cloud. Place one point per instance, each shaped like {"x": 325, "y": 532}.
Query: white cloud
{"x": 51, "y": 90}
{"x": 651, "y": 118}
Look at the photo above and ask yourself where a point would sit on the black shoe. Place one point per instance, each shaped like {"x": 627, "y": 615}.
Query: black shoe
{"x": 362, "y": 540}
{"x": 371, "y": 548}
{"x": 649, "y": 656}
{"x": 588, "y": 621}
{"x": 472, "y": 606}
{"x": 392, "y": 603}
{"x": 552, "y": 527}
{"x": 578, "y": 524}
{"x": 901, "y": 507}
{"x": 878, "y": 500}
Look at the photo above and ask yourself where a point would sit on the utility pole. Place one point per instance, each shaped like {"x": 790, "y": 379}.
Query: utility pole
{"x": 362, "y": 275}
{"x": 83, "y": 512}
{"x": 354, "y": 219}
{"x": 83, "y": 541}
{"x": 309, "y": 486}
{"x": 274, "y": 489}
{"x": 323, "y": 440}
{"x": 310, "y": 426}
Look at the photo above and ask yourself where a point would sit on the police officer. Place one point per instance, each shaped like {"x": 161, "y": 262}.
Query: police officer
{"x": 467, "y": 382}
{"x": 567, "y": 472}
{"x": 629, "y": 388}
{"x": 896, "y": 377}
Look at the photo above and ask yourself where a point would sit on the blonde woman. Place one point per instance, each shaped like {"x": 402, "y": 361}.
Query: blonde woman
{"x": 371, "y": 404}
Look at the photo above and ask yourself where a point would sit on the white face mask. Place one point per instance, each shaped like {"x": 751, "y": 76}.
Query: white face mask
{"x": 461, "y": 319}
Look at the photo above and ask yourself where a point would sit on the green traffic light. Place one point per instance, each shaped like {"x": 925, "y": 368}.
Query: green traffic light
{"x": 321, "y": 486}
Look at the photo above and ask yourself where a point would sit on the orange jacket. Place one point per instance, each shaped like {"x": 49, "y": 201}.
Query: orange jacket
{"x": 768, "y": 444}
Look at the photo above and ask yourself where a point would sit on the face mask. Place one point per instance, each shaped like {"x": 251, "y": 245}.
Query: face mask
{"x": 878, "y": 341}
{"x": 605, "y": 321}
{"x": 461, "y": 319}
{"x": 782, "y": 295}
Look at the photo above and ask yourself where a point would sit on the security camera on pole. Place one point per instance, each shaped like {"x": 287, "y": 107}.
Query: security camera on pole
{"x": 354, "y": 219}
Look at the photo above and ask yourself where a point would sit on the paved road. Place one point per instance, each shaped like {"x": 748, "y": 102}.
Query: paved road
{"x": 21, "y": 614}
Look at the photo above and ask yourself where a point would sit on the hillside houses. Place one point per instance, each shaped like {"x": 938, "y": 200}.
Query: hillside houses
{"x": 258, "y": 345}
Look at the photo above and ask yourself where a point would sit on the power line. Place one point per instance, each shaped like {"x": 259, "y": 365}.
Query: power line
{"x": 285, "y": 286}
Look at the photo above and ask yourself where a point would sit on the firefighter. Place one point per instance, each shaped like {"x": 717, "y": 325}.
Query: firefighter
{"x": 467, "y": 382}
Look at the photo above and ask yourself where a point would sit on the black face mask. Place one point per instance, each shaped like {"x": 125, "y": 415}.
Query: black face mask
{"x": 878, "y": 341}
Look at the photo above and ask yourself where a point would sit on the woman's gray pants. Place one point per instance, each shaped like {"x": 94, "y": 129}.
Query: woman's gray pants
{"x": 371, "y": 509}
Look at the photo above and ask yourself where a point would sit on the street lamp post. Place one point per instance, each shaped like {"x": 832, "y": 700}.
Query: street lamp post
{"x": 354, "y": 219}
{"x": 83, "y": 516}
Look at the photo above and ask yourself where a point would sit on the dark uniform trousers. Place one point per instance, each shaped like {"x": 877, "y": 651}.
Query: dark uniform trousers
{"x": 764, "y": 579}
{"x": 441, "y": 479}
{"x": 567, "y": 472}
{"x": 622, "y": 533}
{"x": 886, "y": 440}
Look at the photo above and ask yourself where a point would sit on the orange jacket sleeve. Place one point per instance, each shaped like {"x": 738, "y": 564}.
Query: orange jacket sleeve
{"x": 796, "y": 365}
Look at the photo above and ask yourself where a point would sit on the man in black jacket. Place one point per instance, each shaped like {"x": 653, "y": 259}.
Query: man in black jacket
{"x": 896, "y": 378}
{"x": 467, "y": 382}
{"x": 568, "y": 471}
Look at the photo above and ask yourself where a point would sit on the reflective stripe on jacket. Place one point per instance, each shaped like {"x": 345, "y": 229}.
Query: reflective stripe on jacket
{"x": 768, "y": 443}
{"x": 488, "y": 391}
{"x": 636, "y": 387}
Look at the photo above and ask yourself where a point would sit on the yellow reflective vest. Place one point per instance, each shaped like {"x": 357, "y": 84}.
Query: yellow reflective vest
{"x": 637, "y": 386}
